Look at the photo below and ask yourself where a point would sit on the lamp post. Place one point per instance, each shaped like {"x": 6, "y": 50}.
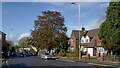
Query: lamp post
{"x": 79, "y": 30}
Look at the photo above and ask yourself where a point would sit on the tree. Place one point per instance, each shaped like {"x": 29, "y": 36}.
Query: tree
{"x": 109, "y": 32}
{"x": 49, "y": 31}
{"x": 10, "y": 44}
{"x": 16, "y": 47}
{"x": 23, "y": 42}
{"x": 13, "y": 49}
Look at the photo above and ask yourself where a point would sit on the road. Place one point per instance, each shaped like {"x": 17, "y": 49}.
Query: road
{"x": 32, "y": 62}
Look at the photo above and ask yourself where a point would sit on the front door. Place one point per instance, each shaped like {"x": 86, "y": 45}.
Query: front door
{"x": 94, "y": 52}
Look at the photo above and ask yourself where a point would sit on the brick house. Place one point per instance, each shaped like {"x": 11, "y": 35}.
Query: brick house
{"x": 89, "y": 41}
{"x": 74, "y": 40}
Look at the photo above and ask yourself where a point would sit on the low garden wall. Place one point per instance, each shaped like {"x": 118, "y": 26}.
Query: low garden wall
{"x": 111, "y": 58}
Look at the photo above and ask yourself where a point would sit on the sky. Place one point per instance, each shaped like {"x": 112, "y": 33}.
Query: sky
{"x": 18, "y": 17}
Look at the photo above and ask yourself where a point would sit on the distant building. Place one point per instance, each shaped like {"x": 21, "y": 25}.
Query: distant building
{"x": 4, "y": 45}
{"x": 89, "y": 42}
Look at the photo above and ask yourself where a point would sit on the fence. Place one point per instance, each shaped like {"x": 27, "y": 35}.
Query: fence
{"x": 112, "y": 58}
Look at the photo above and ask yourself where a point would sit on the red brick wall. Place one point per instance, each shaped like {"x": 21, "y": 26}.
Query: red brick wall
{"x": 98, "y": 41}
{"x": 75, "y": 41}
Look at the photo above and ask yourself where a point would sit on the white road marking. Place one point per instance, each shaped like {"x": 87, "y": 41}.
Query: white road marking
{"x": 66, "y": 60}
{"x": 87, "y": 63}
{"x": 3, "y": 62}
{"x": 46, "y": 60}
{"x": 98, "y": 64}
{"x": 7, "y": 64}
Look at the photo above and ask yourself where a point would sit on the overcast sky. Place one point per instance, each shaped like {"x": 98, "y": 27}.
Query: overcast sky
{"x": 20, "y": 16}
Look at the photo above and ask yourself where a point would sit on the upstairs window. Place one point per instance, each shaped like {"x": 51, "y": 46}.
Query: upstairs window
{"x": 82, "y": 41}
{"x": 72, "y": 46}
{"x": 72, "y": 41}
{"x": 87, "y": 41}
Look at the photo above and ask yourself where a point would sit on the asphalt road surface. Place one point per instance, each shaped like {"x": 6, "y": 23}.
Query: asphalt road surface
{"x": 37, "y": 62}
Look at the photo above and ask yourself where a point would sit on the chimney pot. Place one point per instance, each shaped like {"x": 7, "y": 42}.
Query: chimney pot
{"x": 83, "y": 29}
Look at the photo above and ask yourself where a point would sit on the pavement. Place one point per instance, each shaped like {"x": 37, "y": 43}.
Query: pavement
{"x": 37, "y": 62}
{"x": 2, "y": 61}
{"x": 93, "y": 62}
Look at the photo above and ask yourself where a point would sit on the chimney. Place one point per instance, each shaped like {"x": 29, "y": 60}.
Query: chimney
{"x": 83, "y": 29}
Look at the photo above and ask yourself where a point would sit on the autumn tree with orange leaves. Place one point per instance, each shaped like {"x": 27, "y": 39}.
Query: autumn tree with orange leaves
{"x": 49, "y": 31}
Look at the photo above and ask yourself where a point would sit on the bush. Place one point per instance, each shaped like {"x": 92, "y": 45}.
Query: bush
{"x": 32, "y": 51}
{"x": 72, "y": 55}
{"x": 62, "y": 52}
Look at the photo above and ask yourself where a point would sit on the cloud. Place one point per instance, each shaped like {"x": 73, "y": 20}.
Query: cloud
{"x": 57, "y": 0}
{"x": 82, "y": 15}
{"x": 57, "y": 3}
{"x": 24, "y": 35}
{"x": 72, "y": 26}
{"x": 12, "y": 38}
{"x": 104, "y": 5}
{"x": 53, "y": 8}
{"x": 69, "y": 32}
{"x": 94, "y": 24}
{"x": 15, "y": 38}
{"x": 0, "y": 26}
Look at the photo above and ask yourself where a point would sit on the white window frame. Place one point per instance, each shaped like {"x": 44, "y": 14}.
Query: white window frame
{"x": 72, "y": 41}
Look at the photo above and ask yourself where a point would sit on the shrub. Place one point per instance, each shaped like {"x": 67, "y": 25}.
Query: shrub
{"x": 62, "y": 52}
{"x": 72, "y": 55}
{"x": 32, "y": 51}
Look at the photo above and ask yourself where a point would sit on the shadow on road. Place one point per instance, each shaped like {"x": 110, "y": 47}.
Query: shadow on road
{"x": 55, "y": 58}
{"x": 21, "y": 65}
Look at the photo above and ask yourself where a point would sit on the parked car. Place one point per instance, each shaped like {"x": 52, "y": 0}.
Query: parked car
{"x": 21, "y": 55}
{"x": 30, "y": 54}
{"x": 46, "y": 56}
{"x": 14, "y": 54}
{"x": 27, "y": 54}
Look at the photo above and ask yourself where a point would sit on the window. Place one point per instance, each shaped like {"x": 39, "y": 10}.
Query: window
{"x": 101, "y": 49}
{"x": 82, "y": 41}
{"x": 86, "y": 40}
{"x": 72, "y": 46}
{"x": 72, "y": 40}
{"x": 81, "y": 48}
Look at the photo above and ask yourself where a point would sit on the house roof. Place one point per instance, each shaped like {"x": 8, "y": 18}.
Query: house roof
{"x": 92, "y": 43}
{"x": 91, "y": 33}
{"x": 76, "y": 33}
{"x": 2, "y": 33}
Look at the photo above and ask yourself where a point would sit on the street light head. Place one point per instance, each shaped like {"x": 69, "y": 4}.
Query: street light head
{"x": 73, "y": 3}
